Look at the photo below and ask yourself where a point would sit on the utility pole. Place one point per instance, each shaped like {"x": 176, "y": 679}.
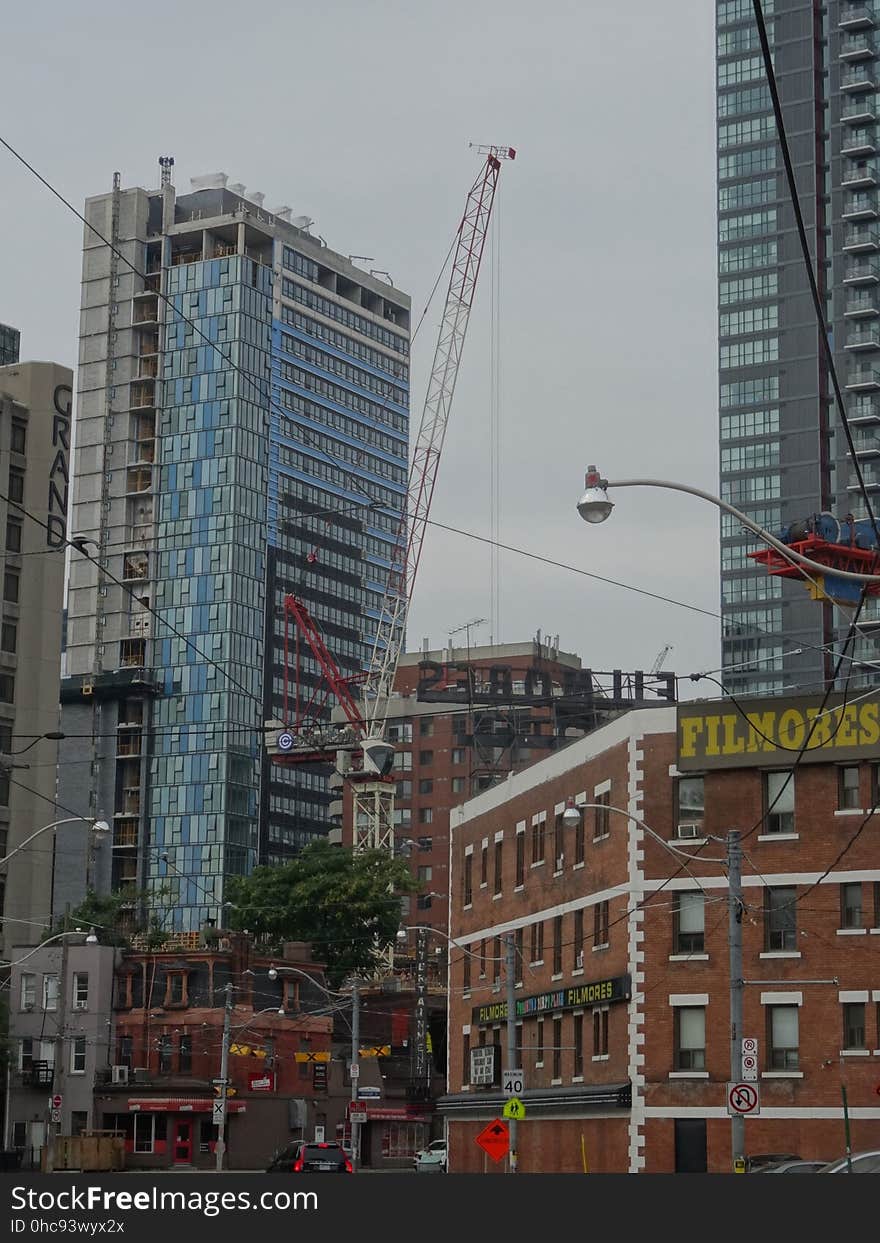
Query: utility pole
{"x": 421, "y": 1074}
{"x": 220, "y": 1150}
{"x": 510, "y": 972}
{"x": 735, "y": 913}
{"x": 355, "y": 1069}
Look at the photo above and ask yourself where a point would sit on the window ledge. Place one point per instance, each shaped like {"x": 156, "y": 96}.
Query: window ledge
{"x": 874, "y": 932}
{"x": 778, "y": 837}
{"x": 603, "y": 837}
{"x": 496, "y": 896}
{"x": 539, "y": 1065}
{"x": 854, "y": 1053}
{"x": 577, "y": 865}
{"x": 780, "y": 954}
{"x": 557, "y": 975}
{"x": 850, "y": 811}
{"x": 539, "y": 864}
{"x": 467, "y": 906}
{"x": 537, "y": 962}
{"x": 689, "y": 1074}
{"x": 600, "y": 1057}
{"x": 782, "y": 1074}
{"x": 577, "y": 1078}
{"x": 484, "y": 884}
{"x": 518, "y": 888}
{"x": 852, "y": 932}
{"x": 603, "y": 946}
{"x": 688, "y": 957}
{"x": 689, "y": 841}
{"x": 554, "y": 1082}
{"x": 558, "y": 872}
{"x": 578, "y": 971}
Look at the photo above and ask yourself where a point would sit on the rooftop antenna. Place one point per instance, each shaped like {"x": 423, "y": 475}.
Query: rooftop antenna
{"x": 166, "y": 163}
{"x": 382, "y": 272}
{"x": 467, "y": 627}
{"x": 363, "y": 258}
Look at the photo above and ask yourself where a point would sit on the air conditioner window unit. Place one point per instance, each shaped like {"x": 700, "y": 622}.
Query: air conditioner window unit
{"x": 119, "y": 1074}
{"x": 80, "y": 1005}
{"x": 690, "y": 829}
{"x": 579, "y": 959}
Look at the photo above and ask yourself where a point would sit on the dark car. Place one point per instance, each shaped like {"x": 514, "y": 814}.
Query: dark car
{"x": 792, "y": 1167}
{"x": 760, "y": 1160}
{"x": 305, "y": 1158}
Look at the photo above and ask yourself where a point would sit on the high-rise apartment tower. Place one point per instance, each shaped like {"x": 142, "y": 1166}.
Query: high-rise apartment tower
{"x": 782, "y": 448}
{"x": 241, "y": 432}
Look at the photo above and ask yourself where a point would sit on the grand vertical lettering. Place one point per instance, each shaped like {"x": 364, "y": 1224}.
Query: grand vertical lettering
{"x": 59, "y": 472}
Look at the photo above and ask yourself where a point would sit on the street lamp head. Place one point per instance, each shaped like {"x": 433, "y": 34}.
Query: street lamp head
{"x": 401, "y": 934}
{"x": 594, "y": 505}
{"x": 571, "y": 817}
{"x": 100, "y": 826}
{"x": 272, "y": 973}
{"x": 92, "y": 938}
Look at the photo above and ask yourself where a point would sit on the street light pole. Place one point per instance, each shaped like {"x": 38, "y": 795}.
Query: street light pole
{"x": 220, "y": 1150}
{"x": 510, "y": 972}
{"x": 734, "y": 936}
{"x": 355, "y": 1069}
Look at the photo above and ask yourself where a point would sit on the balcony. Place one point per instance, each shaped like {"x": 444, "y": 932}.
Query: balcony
{"x": 861, "y": 207}
{"x": 859, "y": 110}
{"x": 138, "y": 479}
{"x": 38, "y": 1074}
{"x": 861, "y": 306}
{"x": 125, "y": 833}
{"x": 858, "y": 79}
{"x": 143, "y": 394}
{"x": 861, "y": 272}
{"x": 856, "y": 17}
{"x": 863, "y": 379}
{"x": 859, "y": 142}
{"x": 864, "y": 410}
{"x": 871, "y": 477}
{"x": 857, "y": 46}
{"x": 861, "y": 239}
{"x": 866, "y": 442}
{"x": 146, "y": 310}
{"x": 858, "y": 175}
{"x": 863, "y": 339}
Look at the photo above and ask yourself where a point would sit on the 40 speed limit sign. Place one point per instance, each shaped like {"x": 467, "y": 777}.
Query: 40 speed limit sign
{"x": 512, "y": 1082}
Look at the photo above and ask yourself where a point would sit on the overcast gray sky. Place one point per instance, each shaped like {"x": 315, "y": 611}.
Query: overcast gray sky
{"x": 360, "y": 114}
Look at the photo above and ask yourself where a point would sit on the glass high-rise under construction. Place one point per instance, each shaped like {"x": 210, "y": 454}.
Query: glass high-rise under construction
{"x": 241, "y": 433}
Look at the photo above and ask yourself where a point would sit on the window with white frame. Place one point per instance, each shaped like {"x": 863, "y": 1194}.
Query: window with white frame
{"x": 78, "y": 1056}
{"x": 689, "y": 922}
{"x": 690, "y": 1038}
{"x": 783, "y": 1037}
{"x": 50, "y": 992}
{"x": 779, "y": 801}
{"x": 854, "y": 1025}
{"x": 80, "y": 991}
{"x": 28, "y": 990}
{"x": 851, "y": 905}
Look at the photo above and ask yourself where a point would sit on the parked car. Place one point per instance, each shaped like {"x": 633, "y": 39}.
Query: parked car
{"x": 792, "y": 1167}
{"x": 431, "y": 1159}
{"x": 761, "y": 1160}
{"x": 306, "y": 1158}
{"x": 862, "y": 1163}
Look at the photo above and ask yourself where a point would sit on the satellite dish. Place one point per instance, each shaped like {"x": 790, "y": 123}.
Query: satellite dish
{"x": 302, "y": 222}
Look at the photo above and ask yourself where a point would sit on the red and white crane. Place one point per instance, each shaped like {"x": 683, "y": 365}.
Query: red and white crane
{"x": 373, "y": 789}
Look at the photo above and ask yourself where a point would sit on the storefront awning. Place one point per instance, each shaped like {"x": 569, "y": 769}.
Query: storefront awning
{"x": 388, "y": 1113}
{"x": 180, "y": 1105}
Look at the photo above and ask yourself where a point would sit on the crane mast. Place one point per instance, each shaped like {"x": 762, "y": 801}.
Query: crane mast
{"x": 373, "y": 802}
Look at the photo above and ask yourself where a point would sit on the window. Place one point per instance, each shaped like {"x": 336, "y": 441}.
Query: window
{"x": 690, "y": 805}
{"x": 175, "y": 989}
{"x": 9, "y": 637}
{"x": 7, "y": 688}
{"x": 600, "y": 1032}
{"x": 426, "y": 757}
{"x": 426, "y": 844}
{"x": 482, "y": 960}
{"x": 747, "y": 194}
{"x": 11, "y": 586}
{"x": 780, "y": 918}
{"x": 601, "y": 815}
{"x": 538, "y": 842}
{"x": 848, "y": 787}
{"x": 536, "y": 943}
{"x": 458, "y": 785}
{"x": 519, "y": 955}
{"x": 690, "y": 1038}
{"x": 746, "y": 163}
{"x": 577, "y": 1031}
{"x": 400, "y": 732}
{"x": 484, "y": 864}
{"x": 148, "y": 1129}
{"x": 13, "y": 535}
{"x": 468, "y": 879}
{"x": 80, "y": 990}
{"x": 689, "y": 921}
{"x": 499, "y": 859}
{"x": 164, "y": 1054}
{"x": 752, "y": 393}
{"x": 426, "y": 727}
{"x": 403, "y": 789}
{"x": 557, "y": 945}
{"x": 539, "y": 1043}
{"x": 79, "y": 1120}
{"x": 402, "y": 762}
{"x": 782, "y": 1023}
{"x": 579, "y": 840}
{"x": 426, "y": 785}
{"x": 18, "y": 441}
{"x": 557, "y": 1049}
{"x": 779, "y": 801}
{"x": 50, "y": 992}
{"x": 466, "y": 973}
{"x": 184, "y": 1053}
{"x": 749, "y": 353}
{"x": 426, "y": 873}
{"x": 854, "y": 1025}
{"x": 465, "y": 1057}
{"x": 458, "y": 755}
{"x": 124, "y": 1051}
{"x": 426, "y": 815}
{"x": 741, "y": 258}
{"x": 851, "y": 906}
{"x": 747, "y": 224}
{"x": 520, "y": 860}
{"x": 28, "y": 990}
{"x": 577, "y": 948}
{"x": 16, "y": 484}
{"x": 78, "y": 1056}
{"x": 558, "y": 844}
{"x": 600, "y": 924}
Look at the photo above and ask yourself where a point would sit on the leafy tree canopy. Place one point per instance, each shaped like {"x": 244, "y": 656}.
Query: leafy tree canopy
{"x": 345, "y": 904}
{"x": 104, "y": 913}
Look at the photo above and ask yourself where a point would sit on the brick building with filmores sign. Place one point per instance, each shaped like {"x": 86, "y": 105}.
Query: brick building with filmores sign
{"x": 622, "y": 970}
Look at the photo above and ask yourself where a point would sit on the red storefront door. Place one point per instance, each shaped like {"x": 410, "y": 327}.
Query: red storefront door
{"x": 183, "y": 1141}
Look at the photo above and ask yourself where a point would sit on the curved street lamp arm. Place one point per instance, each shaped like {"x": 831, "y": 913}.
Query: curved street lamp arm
{"x": 57, "y": 937}
{"x": 45, "y": 828}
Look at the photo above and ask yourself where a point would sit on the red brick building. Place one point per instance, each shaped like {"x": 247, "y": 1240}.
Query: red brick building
{"x": 622, "y": 944}
{"x": 168, "y": 1014}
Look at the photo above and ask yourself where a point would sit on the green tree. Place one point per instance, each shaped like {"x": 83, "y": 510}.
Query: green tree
{"x": 345, "y": 904}
{"x": 103, "y": 912}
